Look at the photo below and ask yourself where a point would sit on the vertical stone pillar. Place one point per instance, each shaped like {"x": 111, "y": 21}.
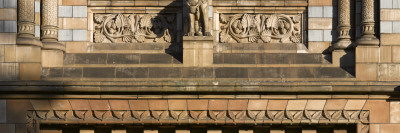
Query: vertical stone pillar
{"x": 53, "y": 51}
{"x": 26, "y": 23}
{"x": 368, "y": 24}
{"x": 343, "y": 28}
{"x": 197, "y": 51}
{"x": 28, "y": 49}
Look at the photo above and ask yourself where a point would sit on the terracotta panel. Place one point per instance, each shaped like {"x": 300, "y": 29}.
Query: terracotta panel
{"x": 257, "y": 105}
{"x": 296, "y": 104}
{"x": 335, "y": 104}
{"x": 379, "y": 111}
{"x": 395, "y": 112}
{"x": 177, "y": 105}
{"x": 218, "y": 105}
{"x": 355, "y": 104}
{"x": 277, "y": 104}
{"x": 315, "y": 104}
{"x": 60, "y": 104}
{"x": 237, "y": 104}
{"x": 99, "y": 104}
{"x": 139, "y": 104}
{"x": 41, "y": 104}
{"x": 158, "y": 104}
{"x": 80, "y": 104}
{"x": 389, "y": 128}
{"x": 197, "y": 104}
{"x": 119, "y": 104}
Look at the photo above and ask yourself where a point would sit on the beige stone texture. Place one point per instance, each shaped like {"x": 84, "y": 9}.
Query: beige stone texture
{"x": 389, "y": 128}
{"x": 8, "y": 14}
{"x": 374, "y": 128}
{"x": 74, "y": 2}
{"x": 386, "y": 54}
{"x": 366, "y": 72}
{"x": 339, "y": 131}
{"x": 9, "y": 71}
{"x": 74, "y": 23}
{"x": 367, "y": 54}
{"x": 29, "y": 71}
{"x": 379, "y": 111}
{"x": 296, "y": 104}
{"x": 315, "y": 104}
{"x": 8, "y": 38}
{"x": 118, "y": 131}
{"x": 214, "y": 131}
{"x": 182, "y": 131}
{"x": 10, "y": 53}
{"x": 197, "y": 51}
{"x": 388, "y": 72}
{"x": 28, "y": 53}
{"x": 41, "y": 104}
{"x": 390, "y": 15}
{"x": 2, "y": 47}
{"x": 335, "y": 104}
{"x": 318, "y": 47}
{"x": 52, "y": 58}
{"x": 320, "y": 23}
{"x": 76, "y": 47}
{"x": 150, "y": 131}
{"x": 277, "y": 131}
{"x": 277, "y": 104}
{"x": 246, "y": 131}
{"x": 390, "y": 39}
{"x": 86, "y": 131}
{"x": 337, "y": 56}
{"x": 320, "y": 3}
{"x": 37, "y": 18}
{"x": 395, "y": 54}
{"x": 354, "y": 104}
{"x": 394, "y": 112}
{"x": 257, "y": 105}
{"x": 308, "y": 131}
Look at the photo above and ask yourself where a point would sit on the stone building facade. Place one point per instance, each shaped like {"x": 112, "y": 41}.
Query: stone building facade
{"x": 199, "y": 66}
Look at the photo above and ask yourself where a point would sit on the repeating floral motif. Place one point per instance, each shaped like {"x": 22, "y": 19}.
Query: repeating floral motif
{"x": 131, "y": 28}
{"x": 260, "y": 28}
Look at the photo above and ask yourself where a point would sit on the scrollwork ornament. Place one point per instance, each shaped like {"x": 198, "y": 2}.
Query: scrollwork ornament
{"x": 132, "y": 28}
{"x": 260, "y": 28}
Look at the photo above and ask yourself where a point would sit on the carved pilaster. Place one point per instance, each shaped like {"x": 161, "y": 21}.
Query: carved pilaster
{"x": 368, "y": 24}
{"x": 26, "y": 23}
{"x": 49, "y": 28}
{"x": 343, "y": 29}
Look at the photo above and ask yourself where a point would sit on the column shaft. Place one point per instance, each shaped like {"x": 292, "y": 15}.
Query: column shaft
{"x": 49, "y": 28}
{"x": 368, "y": 24}
{"x": 343, "y": 28}
{"x": 26, "y": 23}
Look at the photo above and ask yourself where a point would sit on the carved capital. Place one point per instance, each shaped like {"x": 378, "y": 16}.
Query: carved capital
{"x": 368, "y": 24}
{"x": 26, "y": 23}
{"x": 343, "y": 29}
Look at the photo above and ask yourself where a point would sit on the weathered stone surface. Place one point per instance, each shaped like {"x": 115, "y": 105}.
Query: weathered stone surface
{"x": 177, "y": 104}
{"x": 15, "y": 108}
{"x": 60, "y": 105}
{"x": 123, "y": 59}
{"x": 197, "y": 104}
{"x": 99, "y": 72}
{"x": 125, "y": 72}
{"x": 218, "y": 105}
{"x": 99, "y": 105}
{"x": 379, "y": 111}
{"x": 119, "y": 104}
{"x": 139, "y": 104}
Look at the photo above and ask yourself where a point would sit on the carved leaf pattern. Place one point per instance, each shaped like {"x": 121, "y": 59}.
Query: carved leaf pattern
{"x": 129, "y": 28}
{"x": 275, "y": 27}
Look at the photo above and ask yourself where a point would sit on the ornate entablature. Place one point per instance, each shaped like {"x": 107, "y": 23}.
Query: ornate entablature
{"x": 260, "y": 28}
{"x": 134, "y": 28}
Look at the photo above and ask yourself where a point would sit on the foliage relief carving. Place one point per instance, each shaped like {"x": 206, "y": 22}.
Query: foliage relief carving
{"x": 260, "y": 28}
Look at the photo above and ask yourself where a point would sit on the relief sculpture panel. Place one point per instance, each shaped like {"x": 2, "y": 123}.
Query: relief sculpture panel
{"x": 134, "y": 28}
{"x": 260, "y": 28}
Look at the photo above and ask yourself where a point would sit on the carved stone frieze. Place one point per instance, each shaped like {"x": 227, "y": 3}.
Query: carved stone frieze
{"x": 261, "y": 28}
{"x": 134, "y": 28}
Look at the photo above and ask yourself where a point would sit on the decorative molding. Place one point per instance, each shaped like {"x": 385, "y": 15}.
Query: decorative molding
{"x": 134, "y": 28}
{"x": 261, "y": 28}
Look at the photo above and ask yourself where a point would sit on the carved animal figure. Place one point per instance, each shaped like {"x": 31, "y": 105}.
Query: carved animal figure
{"x": 198, "y": 12}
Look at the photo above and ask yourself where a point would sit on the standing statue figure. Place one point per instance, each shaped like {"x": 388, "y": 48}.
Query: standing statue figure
{"x": 198, "y": 14}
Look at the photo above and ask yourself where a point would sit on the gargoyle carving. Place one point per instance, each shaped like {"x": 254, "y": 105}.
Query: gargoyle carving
{"x": 131, "y": 28}
{"x": 260, "y": 28}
